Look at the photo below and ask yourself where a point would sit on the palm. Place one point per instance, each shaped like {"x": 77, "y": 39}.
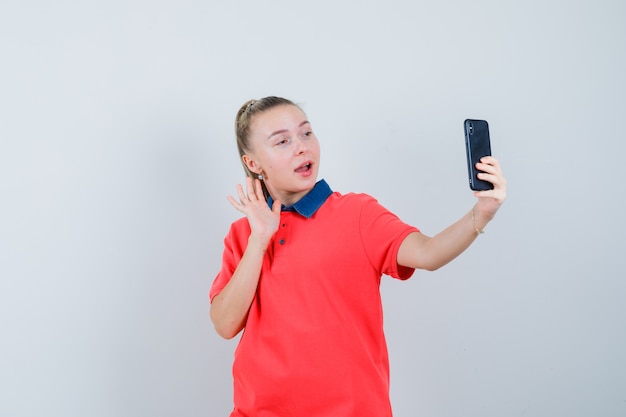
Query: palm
{"x": 263, "y": 220}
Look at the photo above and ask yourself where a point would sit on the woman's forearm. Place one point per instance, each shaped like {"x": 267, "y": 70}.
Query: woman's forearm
{"x": 229, "y": 308}
{"x": 431, "y": 253}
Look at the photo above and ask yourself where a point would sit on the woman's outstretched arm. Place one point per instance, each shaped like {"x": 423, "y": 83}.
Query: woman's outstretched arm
{"x": 430, "y": 253}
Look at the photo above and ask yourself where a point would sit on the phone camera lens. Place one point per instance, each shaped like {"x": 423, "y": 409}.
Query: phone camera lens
{"x": 471, "y": 129}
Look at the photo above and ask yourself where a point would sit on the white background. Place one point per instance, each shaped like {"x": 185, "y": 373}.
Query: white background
{"x": 117, "y": 153}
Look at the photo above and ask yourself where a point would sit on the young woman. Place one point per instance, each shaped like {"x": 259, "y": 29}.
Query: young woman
{"x": 301, "y": 273}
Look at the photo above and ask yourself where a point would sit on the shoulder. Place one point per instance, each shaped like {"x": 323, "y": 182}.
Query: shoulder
{"x": 351, "y": 199}
{"x": 345, "y": 203}
{"x": 240, "y": 228}
{"x": 357, "y": 204}
{"x": 360, "y": 202}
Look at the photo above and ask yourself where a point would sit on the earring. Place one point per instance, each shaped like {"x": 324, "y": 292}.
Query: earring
{"x": 260, "y": 176}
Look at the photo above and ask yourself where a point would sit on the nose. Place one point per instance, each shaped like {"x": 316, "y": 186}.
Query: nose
{"x": 299, "y": 145}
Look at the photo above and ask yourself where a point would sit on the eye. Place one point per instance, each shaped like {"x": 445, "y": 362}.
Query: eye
{"x": 282, "y": 141}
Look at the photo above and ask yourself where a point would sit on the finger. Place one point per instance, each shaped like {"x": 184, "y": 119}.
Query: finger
{"x": 489, "y": 173}
{"x": 496, "y": 180}
{"x": 240, "y": 193}
{"x": 253, "y": 190}
{"x": 490, "y": 164}
{"x": 276, "y": 207}
{"x": 249, "y": 189}
{"x": 488, "y": 167}
{"x": 499, "y": 187}
{"x": 258, "y": 189}
{"x": 484, "y": 168}
{"x": 235, "y": 204}
{"x": 488, "y": 159}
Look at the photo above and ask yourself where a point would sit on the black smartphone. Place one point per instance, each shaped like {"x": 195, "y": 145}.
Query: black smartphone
{"x": 477, "y": 145}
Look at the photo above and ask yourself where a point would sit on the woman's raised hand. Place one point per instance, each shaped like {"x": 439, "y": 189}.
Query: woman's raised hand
{"x": 490, "y": 201}
{"x": 263, "y": 220}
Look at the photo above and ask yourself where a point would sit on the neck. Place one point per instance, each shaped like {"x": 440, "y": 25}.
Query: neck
{"x": 289, "y": 198}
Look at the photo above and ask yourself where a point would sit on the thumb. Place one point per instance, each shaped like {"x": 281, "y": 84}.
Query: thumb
{"x": 276, "y": 207}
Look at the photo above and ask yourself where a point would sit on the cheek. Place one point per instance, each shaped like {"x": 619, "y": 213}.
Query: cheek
{"x": 316, "y": 148}
{"x": 276, "y": 164}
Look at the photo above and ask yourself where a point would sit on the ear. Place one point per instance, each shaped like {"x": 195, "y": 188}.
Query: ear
{"x": 251, "y": 164}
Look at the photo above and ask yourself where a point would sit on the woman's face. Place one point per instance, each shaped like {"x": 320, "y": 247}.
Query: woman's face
{"x": 285, "y": 150}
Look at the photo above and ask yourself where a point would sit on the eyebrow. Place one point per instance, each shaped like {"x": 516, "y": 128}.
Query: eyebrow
{"x": 277, "y": 132}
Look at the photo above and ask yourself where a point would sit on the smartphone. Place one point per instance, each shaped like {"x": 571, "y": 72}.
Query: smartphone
{"x": 477, "y": 145}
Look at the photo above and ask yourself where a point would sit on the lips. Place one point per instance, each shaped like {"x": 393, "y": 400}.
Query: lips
{"x": 304, "y": 168}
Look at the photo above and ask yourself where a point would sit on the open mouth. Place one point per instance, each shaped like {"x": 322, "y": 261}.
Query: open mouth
{"x": 304, "y": 168}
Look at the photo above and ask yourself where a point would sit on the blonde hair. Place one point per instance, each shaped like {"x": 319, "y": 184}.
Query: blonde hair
{"x": 243, "y": 121}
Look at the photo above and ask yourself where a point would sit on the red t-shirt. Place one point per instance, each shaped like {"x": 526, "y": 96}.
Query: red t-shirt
{"x": 313, "y": 344}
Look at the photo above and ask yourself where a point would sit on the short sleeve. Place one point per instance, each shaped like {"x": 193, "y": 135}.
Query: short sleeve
{"x": 235, "y": 244}
{"x": 382, "y": 233}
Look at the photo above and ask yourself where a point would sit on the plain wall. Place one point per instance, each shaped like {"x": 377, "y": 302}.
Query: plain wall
{"x": 117, "y": 153}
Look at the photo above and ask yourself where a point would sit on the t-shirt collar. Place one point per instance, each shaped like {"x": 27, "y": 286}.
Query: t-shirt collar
{"x": 311, "y": 202}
